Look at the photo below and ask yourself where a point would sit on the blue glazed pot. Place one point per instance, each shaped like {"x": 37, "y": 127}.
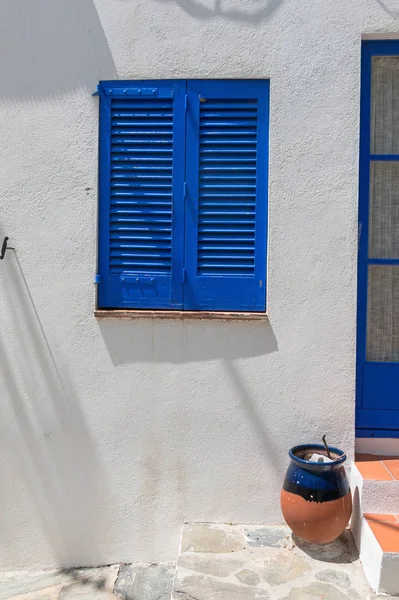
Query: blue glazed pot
{"x": 316, "y": 500}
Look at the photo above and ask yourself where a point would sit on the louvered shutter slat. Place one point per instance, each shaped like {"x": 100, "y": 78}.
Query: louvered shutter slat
{"x": 226, "y": 165}
{"x": 141, "y": 195}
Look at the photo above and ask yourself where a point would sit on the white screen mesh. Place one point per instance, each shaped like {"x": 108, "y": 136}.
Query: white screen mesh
{"x": 384, "y": 210}
{"x": 385, "y": 105}
{"x": 383, "y": 313}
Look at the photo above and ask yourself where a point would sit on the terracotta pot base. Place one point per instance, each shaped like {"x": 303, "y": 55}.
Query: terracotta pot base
{"x": 316, "y": 522}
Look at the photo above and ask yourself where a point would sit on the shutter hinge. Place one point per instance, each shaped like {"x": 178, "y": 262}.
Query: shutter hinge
{"x": 185, "y": 190}
{"x": 98, "y": 278}
{"x": 359, "y": 233}
{"x": 186, "y": 102}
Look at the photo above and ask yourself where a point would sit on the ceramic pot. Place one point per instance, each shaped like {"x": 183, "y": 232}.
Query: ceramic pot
{"x": 316, "y": 500}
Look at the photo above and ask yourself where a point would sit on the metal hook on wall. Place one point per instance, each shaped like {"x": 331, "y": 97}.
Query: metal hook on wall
{"x": 5, "y": 247}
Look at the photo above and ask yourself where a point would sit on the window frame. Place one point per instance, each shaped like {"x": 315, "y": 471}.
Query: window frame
{"x": 180, "y": 225}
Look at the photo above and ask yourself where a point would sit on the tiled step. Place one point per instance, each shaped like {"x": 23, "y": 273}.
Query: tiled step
{"x": 375, "y": 522}
{"x": 375, "y": 480}
{"x": 378, "y": 467}
{"x": 378, "y": 542}
{"x": 386, "y": 531}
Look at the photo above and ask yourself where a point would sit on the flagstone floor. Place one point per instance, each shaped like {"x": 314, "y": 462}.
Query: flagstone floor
{"x": 216, "y": 562}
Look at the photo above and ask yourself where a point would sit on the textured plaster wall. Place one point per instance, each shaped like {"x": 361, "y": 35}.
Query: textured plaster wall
{"x": 112, "y": 434}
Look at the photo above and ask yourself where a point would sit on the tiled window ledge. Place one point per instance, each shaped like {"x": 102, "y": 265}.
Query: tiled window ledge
{"x": 180, "y": 314}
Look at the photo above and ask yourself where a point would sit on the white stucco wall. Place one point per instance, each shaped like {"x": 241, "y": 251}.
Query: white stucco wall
{"x": 112, "y": 434}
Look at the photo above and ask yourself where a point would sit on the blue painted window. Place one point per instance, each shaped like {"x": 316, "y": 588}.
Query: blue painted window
{"x": 183, "y": 172}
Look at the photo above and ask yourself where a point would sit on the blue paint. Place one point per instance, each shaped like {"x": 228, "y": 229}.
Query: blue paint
{"x": 227, "y": 183}
{"x": 383, "y": 261}
{"x": 377, "y": 433}
{"x": 141, "y": 179}
{"x": 313, "y": 481}
{"x": 377, "y": 384}
{"x": 183, "y": 179}
{"x": 381, "y": 390}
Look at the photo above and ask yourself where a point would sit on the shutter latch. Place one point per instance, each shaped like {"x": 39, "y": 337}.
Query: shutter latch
{"x": 98, "y": 278}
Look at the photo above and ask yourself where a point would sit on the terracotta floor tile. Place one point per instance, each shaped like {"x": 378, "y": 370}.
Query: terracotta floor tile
{"x": 386, "y": 533}
{"x": 381, "y": 518}
{"x": 374, "y": 470}
{"x": 397, "y": 516}
{"x": 392, "y": 464}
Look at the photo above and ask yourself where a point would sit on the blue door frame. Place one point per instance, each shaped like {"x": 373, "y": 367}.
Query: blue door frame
{"x": 377, "y": 383}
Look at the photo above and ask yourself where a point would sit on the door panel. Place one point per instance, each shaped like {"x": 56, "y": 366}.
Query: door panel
{"x": 380, "y": 387}
{"x": 376, "y": 422}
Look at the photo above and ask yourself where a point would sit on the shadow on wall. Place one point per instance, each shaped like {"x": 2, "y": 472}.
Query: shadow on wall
{"x": 252, "y": 408}
{"x": 183, "y": 341}
{"x": 252, "y": 11}
{"x": 386, "y": 5}
{"x": 175, "y": 341}
{"x": 51, "y": 451}
{"x": 51, "y": 46}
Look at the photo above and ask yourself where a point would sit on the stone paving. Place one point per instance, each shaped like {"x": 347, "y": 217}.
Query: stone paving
{"x": 216, "y": 562}
{"x": 126, "y": 582}
{"x": 238, "y": 562}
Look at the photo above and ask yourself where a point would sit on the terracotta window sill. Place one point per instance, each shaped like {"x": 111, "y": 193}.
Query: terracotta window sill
{"x": 179, "y": 314}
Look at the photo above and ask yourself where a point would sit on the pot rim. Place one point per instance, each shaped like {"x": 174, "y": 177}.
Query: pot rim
{"x": 328, "y": 465}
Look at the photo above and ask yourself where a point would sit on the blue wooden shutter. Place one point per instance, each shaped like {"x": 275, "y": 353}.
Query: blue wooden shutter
{"x": 226, "y": 207}
{"x": 141, "y": 185}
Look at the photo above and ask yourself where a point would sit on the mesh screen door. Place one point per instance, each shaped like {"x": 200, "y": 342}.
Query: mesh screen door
{"x": 378, "y": 290}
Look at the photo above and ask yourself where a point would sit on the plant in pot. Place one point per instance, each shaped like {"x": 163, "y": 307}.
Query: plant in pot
{"x": 316, "y": 499}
